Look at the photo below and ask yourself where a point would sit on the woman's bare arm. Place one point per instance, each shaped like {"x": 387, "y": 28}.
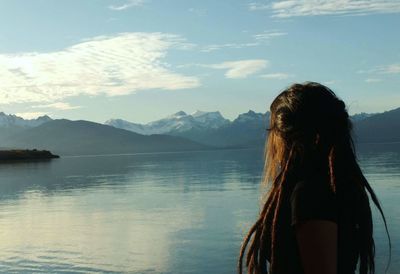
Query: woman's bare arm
{"x": 317, "y": 242}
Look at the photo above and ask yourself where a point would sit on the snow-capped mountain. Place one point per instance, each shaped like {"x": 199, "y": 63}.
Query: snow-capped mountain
{"x": 212, "y": 119}
{"x": 12, "y": 120}
{"x": 119, "y": 123}
{"x": 177, "y": 122}
{"x": 252, "y": 117}
{"x": 209, "y": 128}
{"x": 174, "y": 123}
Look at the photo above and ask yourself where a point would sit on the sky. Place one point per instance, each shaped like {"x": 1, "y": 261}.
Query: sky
{"x": 142, "y": 60}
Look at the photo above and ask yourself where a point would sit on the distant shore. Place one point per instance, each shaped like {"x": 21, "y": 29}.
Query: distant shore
{"x": 26, "y": 154}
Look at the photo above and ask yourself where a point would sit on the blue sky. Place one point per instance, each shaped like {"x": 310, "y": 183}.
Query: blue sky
{"x": 142, "y": 60}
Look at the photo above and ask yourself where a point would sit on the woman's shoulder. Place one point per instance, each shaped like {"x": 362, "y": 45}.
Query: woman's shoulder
{"x": 312, "y": 198}
{"x": 312, "y": 183}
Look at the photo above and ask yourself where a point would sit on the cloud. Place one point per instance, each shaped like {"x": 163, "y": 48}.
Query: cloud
{"x": 276, "y": 76}
{"x": 110, "y": 65}
{"x": 258, "y": 6}
{"x": 390, "y": 69}
{"x": 127, "y": 5}
{"x": 240, "y": 69}
{"x": 214, "y": 47}
{"x": 384, "y": 69}
{"x": 198, "y": 11}
{"x": 58, "y": 105}
{"x": 373, "y": 80}
{"x": 331, "y": 82}
{"x": 30, "y": 115}
{"x": 258, "y": 39}
{"x": 267, "y": 35}
{"x": 290, "y": 8}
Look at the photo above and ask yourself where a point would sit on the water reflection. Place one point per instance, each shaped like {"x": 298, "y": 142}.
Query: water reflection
{"x": 148, "y": 213}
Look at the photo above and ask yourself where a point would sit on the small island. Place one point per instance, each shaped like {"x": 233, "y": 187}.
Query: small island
{"x": 26, "y": 154}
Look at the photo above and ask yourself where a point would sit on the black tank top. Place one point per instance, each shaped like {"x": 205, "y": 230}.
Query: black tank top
{"x": 312, "y": 199}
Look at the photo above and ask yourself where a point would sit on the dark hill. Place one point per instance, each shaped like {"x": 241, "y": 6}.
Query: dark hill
{"x": 379, "y": 128}
{"x": 67, "y": 137}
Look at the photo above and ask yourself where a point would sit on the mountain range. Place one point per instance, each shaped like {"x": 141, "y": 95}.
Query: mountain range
{"x": 177, "y": 122}
{"x": 249, "y": 129}
{"x": 12, "y": 120}
{"x": 11, "y": 125}
{"x": 180, "y": 131}
{"x": 209, "y": 128}
{"x": 80, "y": 137}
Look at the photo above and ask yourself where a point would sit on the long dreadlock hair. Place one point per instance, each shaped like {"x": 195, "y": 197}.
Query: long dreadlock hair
{"x": 307, "y": 120}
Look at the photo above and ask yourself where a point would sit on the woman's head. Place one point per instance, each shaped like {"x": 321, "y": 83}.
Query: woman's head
{"x": 302, "y": 112}
{"x": 306, "y": 120}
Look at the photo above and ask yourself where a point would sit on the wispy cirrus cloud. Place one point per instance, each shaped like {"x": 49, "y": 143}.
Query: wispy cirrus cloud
{"x": 259, "y": 6}
{"x": 390, "y": 69}
{"x": 257, "y": 40}
{"x": 276, "y": 76}
{"x": 373, "y": 80}
{"x": 383, "y": 69}
{"x": 111, "y": 65}
{"x": 269, "y": 34}
{"x": 198, "y": 11}
{"x": 214, "y": 47}
{"x": 58, "y": 105}
{"x": 330, "y": 82}
{"x": 291, "y": 8}
{"x": 242, "y": 68}
{"x": 127, "y": 4}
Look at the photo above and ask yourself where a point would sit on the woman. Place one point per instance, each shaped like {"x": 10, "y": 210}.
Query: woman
{"x": 316, "y": 218}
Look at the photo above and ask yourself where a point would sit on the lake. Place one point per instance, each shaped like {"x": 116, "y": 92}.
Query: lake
{"x": 153, "y": 213}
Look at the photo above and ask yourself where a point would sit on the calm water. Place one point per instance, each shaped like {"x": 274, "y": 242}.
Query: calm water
{"x": 151, "y": 213}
